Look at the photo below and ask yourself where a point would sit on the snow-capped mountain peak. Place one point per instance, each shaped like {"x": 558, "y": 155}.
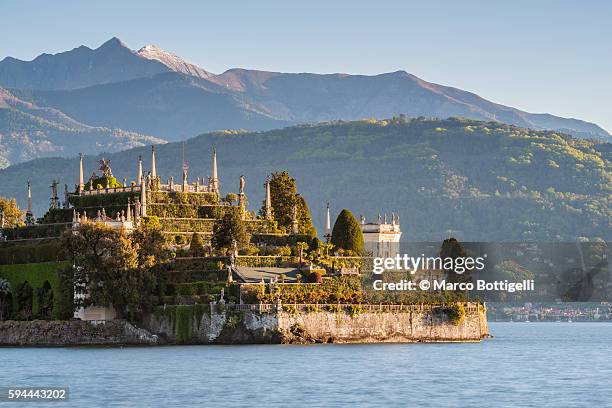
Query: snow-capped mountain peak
{"x": 173, "y": 62}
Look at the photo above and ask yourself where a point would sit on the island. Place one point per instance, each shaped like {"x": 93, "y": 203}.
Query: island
{"x": 157, "y": 261}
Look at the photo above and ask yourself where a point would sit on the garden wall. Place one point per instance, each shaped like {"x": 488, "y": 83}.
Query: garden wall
{"x": 247, "y": 327}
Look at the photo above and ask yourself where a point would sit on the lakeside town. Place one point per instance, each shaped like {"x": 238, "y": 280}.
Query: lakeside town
{"x": 547, "y": 312}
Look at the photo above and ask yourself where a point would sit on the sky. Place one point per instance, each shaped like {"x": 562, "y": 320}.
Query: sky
{"x": 551, "y": 56}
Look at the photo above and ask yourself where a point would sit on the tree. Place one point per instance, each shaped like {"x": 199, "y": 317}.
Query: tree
{"x": 229, "y": 229}
{"x": 114, "y": 267}
{"x": 301, "y": 246}
{"x": 304, "y": 220}
{"x": 13, "y": 216}
{"x": 196, "y": 246}
{"x": 231, "y": 198}
{"x": 45, "y": 300}
{"x": 452, "y": 249}
{"x": 5, "y": 298}
{"x": 66, "y": 293}
{"x": 347, "y": 234}
{"x": 24, "y": 294}
{"x": 283, "y": 196}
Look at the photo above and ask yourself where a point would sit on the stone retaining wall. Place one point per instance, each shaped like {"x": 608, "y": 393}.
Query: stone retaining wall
{"x": 248, "y": 327}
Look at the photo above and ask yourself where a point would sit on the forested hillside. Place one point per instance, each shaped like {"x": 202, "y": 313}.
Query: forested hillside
{"x": 470, "y": 179}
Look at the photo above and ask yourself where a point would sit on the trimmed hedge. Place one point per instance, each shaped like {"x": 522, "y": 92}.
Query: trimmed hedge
{"x": 165, "y": 210}
{"x": 187, "y": 224}
{"x": 30, "y": 252}
{"x": 270, "y": 261}
{"x": 277, "y": 239}
{"x": 35, "y": 231}
{"x": 171, "y": 277}
{"x": 103, "y": 200}
{"x": 177, "y": 197}
{"x": 58, "y": 215}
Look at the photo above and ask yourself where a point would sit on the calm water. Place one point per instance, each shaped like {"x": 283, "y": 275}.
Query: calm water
{"x": 526, "y": 364}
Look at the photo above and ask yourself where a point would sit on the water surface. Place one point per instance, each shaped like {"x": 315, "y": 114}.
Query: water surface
{"x": 526, "y": 364}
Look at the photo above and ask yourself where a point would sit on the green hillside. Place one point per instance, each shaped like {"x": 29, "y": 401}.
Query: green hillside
{"x": 474, "y": 180}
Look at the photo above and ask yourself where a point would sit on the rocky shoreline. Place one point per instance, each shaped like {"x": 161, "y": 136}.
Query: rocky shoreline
{"x": 62, "y": 333}
{"x": 248, "y": 327}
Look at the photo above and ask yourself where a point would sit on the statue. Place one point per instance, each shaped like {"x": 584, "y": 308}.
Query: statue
{"x": 234, "y": 248}
{"x": 379, "y": 219}
{"x": 137, "y": 206}
{"x": 185, "y": 169}
{"x": 221, "y": 297}
{"x": 105, "y": 168}
{"x": 242, "y": 184}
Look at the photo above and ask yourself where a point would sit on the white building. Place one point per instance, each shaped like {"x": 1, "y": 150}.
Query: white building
{"x": 382, "y": 239}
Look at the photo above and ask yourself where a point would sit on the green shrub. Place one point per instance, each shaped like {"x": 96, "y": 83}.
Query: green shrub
{"x": 315, "y": 277}
{"x": 347, "y": 233}
{"x": 456, "y": 313}
{"x": 334, "y": 308}
{"x": 196, "y": 246}
{"x": 355, "y": 310}
{"x": 311, "y": 308}
{"x": 290, "y": 309}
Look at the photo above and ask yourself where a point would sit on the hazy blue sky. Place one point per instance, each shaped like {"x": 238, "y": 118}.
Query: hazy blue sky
{"x": 541, "y": 56}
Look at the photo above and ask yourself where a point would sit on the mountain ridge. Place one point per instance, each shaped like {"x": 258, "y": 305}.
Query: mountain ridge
{"x": 28, "y": 131}
{"x": 154, "y": 92}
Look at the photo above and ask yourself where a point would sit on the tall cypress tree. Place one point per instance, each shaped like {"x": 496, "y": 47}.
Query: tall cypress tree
{"x": 283, "y": 193}
{"x": 347, "y": 233}
{"x": 304, "y": 220}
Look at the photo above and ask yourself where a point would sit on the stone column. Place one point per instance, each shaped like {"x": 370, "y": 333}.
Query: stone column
{"x": 153, "y": 169}
{"x": 143, "y": 198}
{"x": 268, "y": 201}
{"x": 215, "y": 175}
{"x": 81, "y": 176}
{"x": 29, "y": 214}
{"x": 327, "y": 225}
{"x": 139, "y": 176}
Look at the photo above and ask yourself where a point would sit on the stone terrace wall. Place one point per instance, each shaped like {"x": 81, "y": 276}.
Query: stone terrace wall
{"x": 247, "y": 327}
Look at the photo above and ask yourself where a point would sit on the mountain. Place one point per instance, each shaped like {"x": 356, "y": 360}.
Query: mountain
{"x": 173, "y": 99}
{"x": 477, "y": 181}
{"x": 173, "y": 62}
{"x": 78, "y": 68}
{"x": 171, "y": 105}
{"x": 316, "y": 98}
{"x": 28, "y": 131}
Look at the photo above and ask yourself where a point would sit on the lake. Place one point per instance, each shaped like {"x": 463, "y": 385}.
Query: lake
{"x": 526, "y": 364}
